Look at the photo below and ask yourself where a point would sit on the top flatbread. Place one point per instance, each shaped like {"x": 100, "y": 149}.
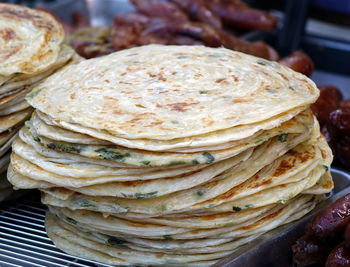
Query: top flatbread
{"x": 166, "y": 92}
{"x": 29, "y": 40}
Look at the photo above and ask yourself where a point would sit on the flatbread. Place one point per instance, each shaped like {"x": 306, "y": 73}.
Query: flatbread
{"x": 30, "y": 39}
{"x": 22, "y": 81}
{"x": 221, "y": 88}
{"x": 11, "y": 120}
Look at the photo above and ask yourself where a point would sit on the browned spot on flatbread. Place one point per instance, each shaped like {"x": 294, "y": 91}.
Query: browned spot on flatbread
{"x": 154, "y": 123}
{"x": 214, "y": 216}
{"x": 235, "y": 78}
{"x": 140, "y": 182}
{"x": 151, "y": 75}
{"x": 16, "y": 13}
{"x": 232, "y": 192}
{"x": 120, "y": 112}
{"x": 305, "y": 156}
{"x": 260, "y": 183}
{"x": 198, "y": 75}
{"x": 8, "y": 34}
{"x": 267, "y": 218}
{"x": 207, "y": 121}
{"x": 328, "y": 184}
{"x": 182, "y": 106}
{"x": 141, "y": 225}
{"x": 224, "y": 82}
{"x": 180, "y": 54}
{"x": 72, "y": 96}
{"x": 124, "y": 82}
{"x": 134, "y": 120}
{"x": 220, "y": 80}
{"x": 241, "y": 100}
{"x": 161, "y": 77}
{"x": 323, "y": 153}
{"x": 284, "y": 167}
{"x": 283, "y": 76}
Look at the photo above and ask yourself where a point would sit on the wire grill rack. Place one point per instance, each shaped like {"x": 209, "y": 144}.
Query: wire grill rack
{"x": 23, "y": 239}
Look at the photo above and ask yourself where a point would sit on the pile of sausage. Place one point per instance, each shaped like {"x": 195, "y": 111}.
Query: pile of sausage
{"x": 333, "y": 113}
{"x": 326, "y": 241}
{"x": 182, "y": 22}
{"x": 213, "y": 23}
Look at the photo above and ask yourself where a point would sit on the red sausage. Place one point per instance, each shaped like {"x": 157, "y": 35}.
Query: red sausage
{"x": 328, "y": 101}
{"x": 339, "y": 257}
{"x": 300, "y": 62}
{"x": 241, "y": 16}
{"x": 331, "y": 221}
{"x": 308, "y": 250}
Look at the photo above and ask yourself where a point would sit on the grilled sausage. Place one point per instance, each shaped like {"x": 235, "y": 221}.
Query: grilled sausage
{"x": 340, "y": 120}
{"x": 344, "y": 104}
{"x": 300, "y": 62}
{"x": 199, "y": 11}
{"x": 241, "y": 16}
{"x": 308, "y": 250}
{"x": 328, "y": 101}
{"x": 213, "y": 37}
{"x": 161, "y": 9}
{"x": 332, "y": 221}
{"x": 339, "y": 257}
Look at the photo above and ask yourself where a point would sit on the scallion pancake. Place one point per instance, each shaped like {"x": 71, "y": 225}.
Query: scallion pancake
{"x": 30, "y": 41}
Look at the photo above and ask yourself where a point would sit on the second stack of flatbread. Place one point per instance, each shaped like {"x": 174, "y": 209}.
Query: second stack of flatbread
{"x": 171, "y": 155}
{"x": 31, "y": 49}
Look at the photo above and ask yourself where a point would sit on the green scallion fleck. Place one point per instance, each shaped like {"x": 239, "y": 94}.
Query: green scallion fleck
{"x": 262, "y": 62}
{"x": 282, "y": 137}
{"x": 70, "y": 220}
{"x": 201, "y": 192}
{"x": 146, "y": 195}
{"x": 194, "y": 161}
{"x": 113, "y": 241}
{"x": 177, "y": 162}
{"x": 210, "y": 157}
{"x": 83, "y": 203}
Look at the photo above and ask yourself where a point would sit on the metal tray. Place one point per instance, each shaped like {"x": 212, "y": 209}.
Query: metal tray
{"x": 23, "y": 240}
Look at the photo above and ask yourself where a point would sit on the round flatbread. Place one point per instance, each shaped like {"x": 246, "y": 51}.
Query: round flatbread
{"x": 141, "y": 93}
{"x": 29, "y": 39}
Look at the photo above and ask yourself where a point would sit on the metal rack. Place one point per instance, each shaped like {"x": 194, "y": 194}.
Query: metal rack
{"x": 23, "y": 239}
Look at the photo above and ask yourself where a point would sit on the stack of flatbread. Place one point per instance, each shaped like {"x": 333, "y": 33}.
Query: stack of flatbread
{"x": 171, "y": 155}
{"x": 30, "y": 50}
